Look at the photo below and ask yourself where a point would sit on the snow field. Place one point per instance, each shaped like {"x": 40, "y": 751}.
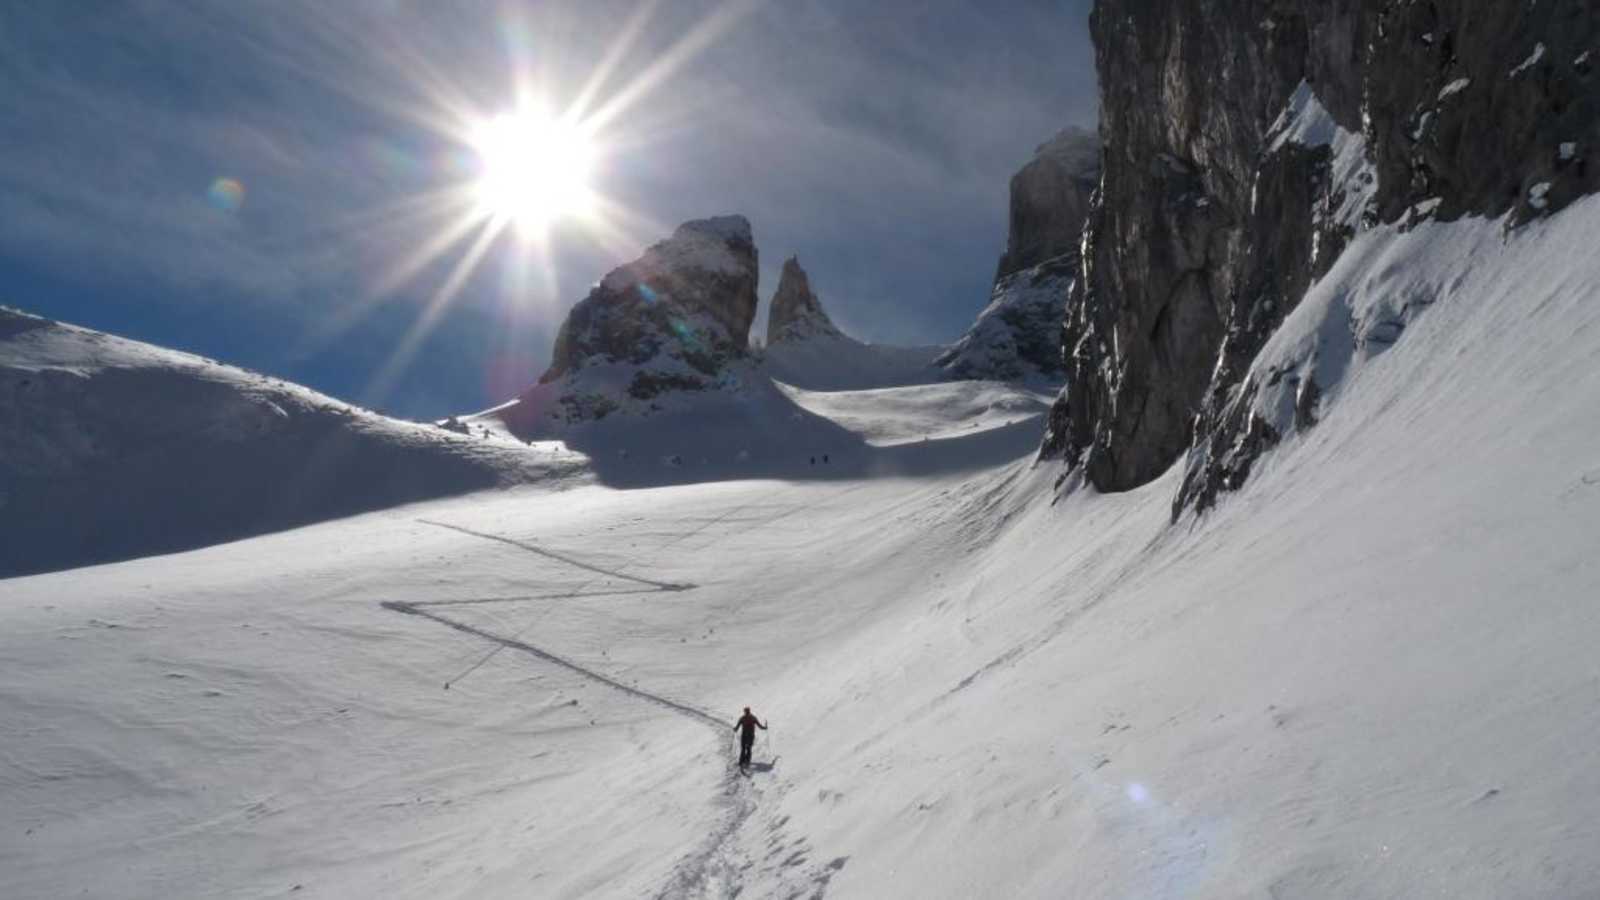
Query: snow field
{"x": 1369, "y": 673}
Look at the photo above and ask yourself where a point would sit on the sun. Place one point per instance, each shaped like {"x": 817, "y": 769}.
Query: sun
{"x": 516, "y": 168}
{"x": 534, "y": 169}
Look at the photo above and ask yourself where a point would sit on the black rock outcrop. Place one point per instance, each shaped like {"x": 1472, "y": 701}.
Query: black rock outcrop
{"x": 1243, "y": 149}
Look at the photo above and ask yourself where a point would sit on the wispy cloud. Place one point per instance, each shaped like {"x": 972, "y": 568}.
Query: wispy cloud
{"x": 873, "y": 139}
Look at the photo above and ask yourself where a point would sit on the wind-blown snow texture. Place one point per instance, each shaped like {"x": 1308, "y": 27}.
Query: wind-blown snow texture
{"x": 1368, "y": 674}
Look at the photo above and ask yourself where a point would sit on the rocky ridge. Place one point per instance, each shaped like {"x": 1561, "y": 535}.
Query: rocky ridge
{"x": 1243, "y": 153}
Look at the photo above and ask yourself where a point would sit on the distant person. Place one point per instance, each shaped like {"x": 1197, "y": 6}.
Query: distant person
{"x": 824, "y": 459}
{"x": 813, "y": 460}
{"x": 746, "y": 726}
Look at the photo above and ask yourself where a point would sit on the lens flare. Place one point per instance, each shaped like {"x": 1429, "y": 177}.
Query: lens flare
{"x": 226, "y": 194}
{"x": 531, "y": 165}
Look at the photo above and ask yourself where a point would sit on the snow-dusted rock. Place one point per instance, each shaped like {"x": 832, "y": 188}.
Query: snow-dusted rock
{"x": 796, "y": 313}
{"x": 675, "y": 319}
{"x": 653, "y": 377}
{"x": 708, "y": 267}
{"x": 805, "y": 349}
{"x": 1017, "y": 336}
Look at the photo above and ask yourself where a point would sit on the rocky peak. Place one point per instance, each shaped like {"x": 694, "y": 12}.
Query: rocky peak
{"x": 692, "y": 295}
{"x": 796, "y": 312}
{"x": 675, "y": 319}
{"x": 1050, "y": 200}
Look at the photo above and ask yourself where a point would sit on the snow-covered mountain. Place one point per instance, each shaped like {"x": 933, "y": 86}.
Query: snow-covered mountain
{"x": 1367, "y": 670}
{"x": 1015, "y": 337}
{"x": 675, "y": 320}
{"x": 653, "y": 378}
{"x": 110, "y": 448}
{"x": 1369, "y": 673}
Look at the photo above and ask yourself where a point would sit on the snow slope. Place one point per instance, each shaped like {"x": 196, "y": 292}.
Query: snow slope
{"x": 110, "y": 448}
{"x": 746, "y": 427}
{"x": 837, "y": 362}
{"x": 889, "y": 417}
{"x": 1367, "y": 673}
{"x": 753, "y": 427}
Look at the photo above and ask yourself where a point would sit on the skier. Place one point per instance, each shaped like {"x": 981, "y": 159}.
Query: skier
{"x": 746, "y": 726}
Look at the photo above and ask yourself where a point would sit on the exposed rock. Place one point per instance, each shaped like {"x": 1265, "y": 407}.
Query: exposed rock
{"x": 1016, "y": 336}
{"x": 796, "y": 313}
{"x": 1243, "y": 151}
{"x": 704, "y": 276}
{"x": 1050, "y": 199}
{"x": 806, "y": 350}
{"x": 675, "y": 319}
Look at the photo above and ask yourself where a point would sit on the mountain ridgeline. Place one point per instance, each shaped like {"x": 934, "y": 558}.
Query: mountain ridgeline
{"x": 1242, "y": 154}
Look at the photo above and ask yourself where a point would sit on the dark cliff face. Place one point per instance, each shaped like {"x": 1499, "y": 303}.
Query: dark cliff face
{"x": 692, "y": 296}
{"x": 1049, "y": 201}
{"x": 796, "y": 313}
{"x": 1243, "y": 149}
{"x": 1015, "y": 336}
{"x": 676, "y": 319}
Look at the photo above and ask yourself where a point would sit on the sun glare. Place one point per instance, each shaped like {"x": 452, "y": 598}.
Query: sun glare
{"x": 534, "y": 169}
{"x": 525, "y": 171}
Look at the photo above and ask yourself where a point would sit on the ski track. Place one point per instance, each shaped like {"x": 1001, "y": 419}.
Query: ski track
{"x": 693, "y": 712}
{"x": 550, "y": 554}
{"x": 710, "y": 869}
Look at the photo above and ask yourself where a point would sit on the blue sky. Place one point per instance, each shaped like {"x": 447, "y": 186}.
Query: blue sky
{"x": 875, "y": 140}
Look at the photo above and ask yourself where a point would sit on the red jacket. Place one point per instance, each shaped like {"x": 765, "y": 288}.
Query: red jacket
{"x": 747, "y": 725}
